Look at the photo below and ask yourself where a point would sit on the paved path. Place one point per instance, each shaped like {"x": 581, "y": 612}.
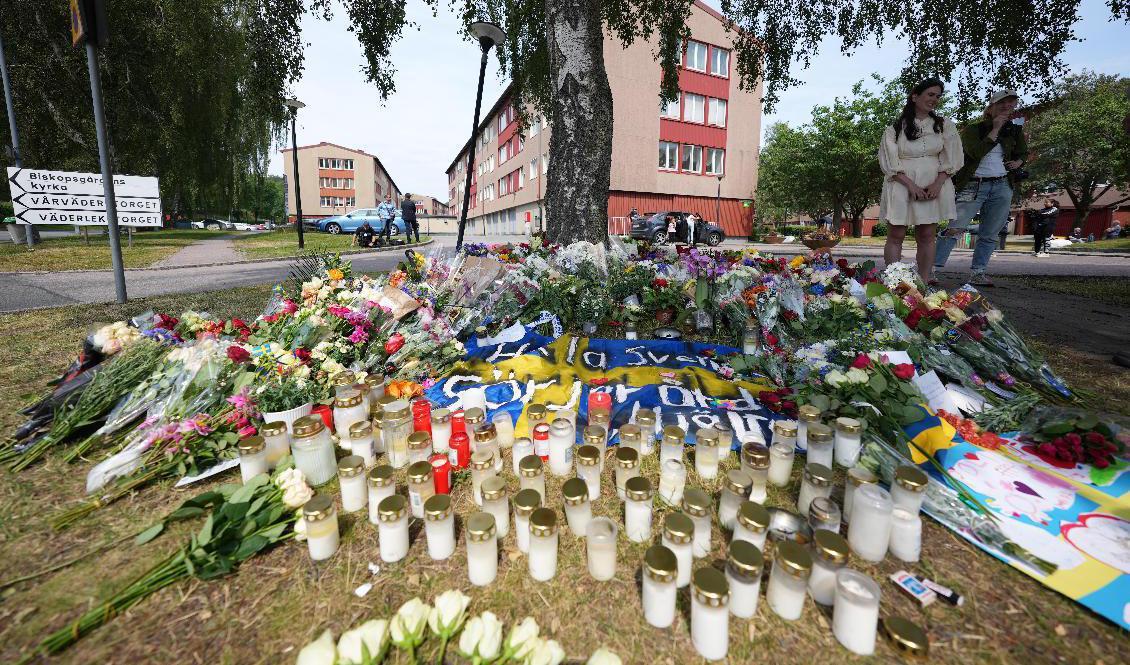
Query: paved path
{"x": 213, "y": 250}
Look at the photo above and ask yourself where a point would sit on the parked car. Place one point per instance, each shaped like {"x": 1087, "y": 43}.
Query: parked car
{"x": 350, "y": 222}
{"x": 213, "y": 224}
{"x": 652, "y": 226}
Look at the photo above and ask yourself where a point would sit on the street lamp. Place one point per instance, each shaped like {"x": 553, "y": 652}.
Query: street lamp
{"x": 294, "y": 105}
{"x": 489, "y": 36}
{"x": 718, "y": 203}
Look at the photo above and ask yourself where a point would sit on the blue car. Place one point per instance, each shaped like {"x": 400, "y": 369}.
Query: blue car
{"x": 350, "y": 222}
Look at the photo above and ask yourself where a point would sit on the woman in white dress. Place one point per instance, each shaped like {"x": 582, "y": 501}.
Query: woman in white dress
{"x": 919, "y": 154}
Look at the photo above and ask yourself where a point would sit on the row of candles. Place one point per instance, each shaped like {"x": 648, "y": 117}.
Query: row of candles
{"x": 878, "y": 520}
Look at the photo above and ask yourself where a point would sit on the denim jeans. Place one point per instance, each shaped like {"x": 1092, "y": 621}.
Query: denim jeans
{"x": 992, "y": 199}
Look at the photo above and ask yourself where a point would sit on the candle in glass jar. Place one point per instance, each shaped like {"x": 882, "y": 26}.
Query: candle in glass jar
{"x": 678, "y": 536}
{"x": 504, "y": 427}
{"x": 743, "y": 572}
{"x": 752, "y": 524}
{"x": 523, "y": 447}
{"x": 277, "y": 438}
{"x": 474, "y": 397}
{"x": 601, "y": 418}
{"x": 482, "y": 549}
{"x": 396, "y": 425}
{"x": 906, "y": 535}
{"x": 343, "y": 381}
{"x": 672, "y": 479}
{"x": 348, "y": 410}
{"x": 646, "y": 420}
{"x": 788, "y": 580}
{"x": 525, "y": 502}
{"x": 631, "y": 437}
{"x": 578, "y": 509}
{"x": 392, "y": 528}
{"x": 421, "y": 486}
{"x": 459, "y": 454}
{"x": 755, "y": 462}
{"x": 566, "y": 414}
{"x": 351, "y": 475}
{"x": 495, "y": 503}
{"x": 421, "y": 415}
{"x": 909, "y": 488}
{"x": 671, "y": 447}
{"x": 696, "y": 504}
{"x": 637, "y": 509}
{"x": 849, "y": 441}
{"x": 588, "y": 469}
{"x": 735, "y": 490}
{"x": 710, "y": 614}
{"x": 486, "y": 439}
{"x": 627, "y": 466}
{"x": 541, "y": 441}
{"x": 659, "y": 590}
{"x": 785, "y": 431}
{"x": 361, "y": 435}
{"x": 441, "y": 473}
{"x": 252, "y": 457}
{"x": 906, "y": 637}
{"x": 823, "y": 513}
{"x": 855, "y": 477}
{"x": 600, "y": 543}
{"x": 817, "y": 481}
{"x": 543, "y": 544}
{"x": 806, "y": 415}
{"x": 381, "y": 486}
{"x": 855, "y": 612}
{"x": 597, "y": 437}
{"x": 482, "y": 467}
{"x": 419, "y": 447}
{"x": 599, "y": 400}
{"x": 869, "y": 532}
{"x": 531, "y": 475}
{"x": 441, "y": 430}
{"x": 458, "y": 422}
{"x": 706, "y": 453}
{"x": 313, "y": 450}
{"x": 375, "y": 382}
{"x": 439, "y": 527}
{"x": 376, "y": 416}
{"x": 781, "y": 463}
{"x": 561, "y": 440}
{"x": 322, "y": 535}
{"x": 829, "y": 555}
{"x": 821, "y": 446}
{"x": 749, "y": 342}
{"x": 725, "y": 440}
{"x": 535, "y": 415}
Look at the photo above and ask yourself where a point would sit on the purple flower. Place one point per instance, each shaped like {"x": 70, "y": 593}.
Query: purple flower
{"x": 359, "y": 336}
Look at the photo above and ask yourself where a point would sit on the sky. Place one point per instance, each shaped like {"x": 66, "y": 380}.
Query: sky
{"x": 417, "y": 131}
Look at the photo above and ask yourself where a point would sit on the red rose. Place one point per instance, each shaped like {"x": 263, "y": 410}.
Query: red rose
{"x": 659, "y": 283}
{"x": 394, "y": 343}
{"x": 1101, "y": 463}
{"x": 936, "y": 314}
{"x": 912, "y": 319}
{"x": 167, "y": 322}
{"x": 842, "y": 264}
{"x": 302, "y": 354}
{"x": 787, "y": 405}
{"x": 790, "y": 315}
{"x": 238, "y": 354}
{"x": 862, "y": 361}
{"x": 904, "y": 371}
{"x": 771, "y": 339}
{"x": 1094, "y": 438}
{"x": 769, "y": 397}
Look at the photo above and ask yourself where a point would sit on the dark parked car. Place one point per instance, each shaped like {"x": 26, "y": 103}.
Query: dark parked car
{"x": 652, "y": 226}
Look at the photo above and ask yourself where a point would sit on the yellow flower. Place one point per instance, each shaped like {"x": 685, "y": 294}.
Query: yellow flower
{"x": 797, "y": 262}
{"x": 334, "y": 273}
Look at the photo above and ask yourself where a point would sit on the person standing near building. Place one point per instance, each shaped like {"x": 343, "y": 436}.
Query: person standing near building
{"x": 408, "y": 214}
{"x": 692, "y": 226}
{"x": 1044, "y": 227}
{"x": 995, "y": 149}
{"x": 386, "y": 212}
{"x": 919, "y": 154}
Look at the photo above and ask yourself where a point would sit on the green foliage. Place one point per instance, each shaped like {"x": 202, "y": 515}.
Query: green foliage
{"x": 879, "y": 230}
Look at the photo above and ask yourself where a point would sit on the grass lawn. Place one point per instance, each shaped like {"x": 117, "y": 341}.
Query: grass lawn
{"x": 1112, "y": 290}
{"x": 280, "y": 600}
{"x": 284, "y": 242}
{"x": 72, "y": 253}
{"x": 1116, "y": 245}
{"x": 869, "y": 241}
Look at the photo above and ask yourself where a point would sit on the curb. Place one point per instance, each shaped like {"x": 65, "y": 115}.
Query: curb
{"x": 228, "y": 263}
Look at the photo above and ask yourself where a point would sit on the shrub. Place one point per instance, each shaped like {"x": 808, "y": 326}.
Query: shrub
{"x": 879, "y": 230}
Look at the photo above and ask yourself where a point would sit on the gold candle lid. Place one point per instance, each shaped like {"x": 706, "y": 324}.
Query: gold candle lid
{"x": 830, "y": 546}
{"x": 696, "y": 502}
{"x": 738, "y": 482}
{"x": 858, "y": 475}
{"x": 441, "y": 416}
{"x": 745, "y": 560}
{"x": 482, "y": 459}
{"x": 645, "y": 418}
{"x": 417, "y": 440}
{"x": 786, "y": 428}
{"x": 849, "y": 425}
{"x": 706, "y": 436}
{"x": 348, "y": 398}
{"x": 911, "y": 478}
{"x": 485, "y": 432}
{"x": 386, "y": 399}
{"x": 380, "y": 476}
{"x": 588, "y": 455}
{"x": 351, "y": 465}
{"x": 575, "y": 492}
{"x": 543, "y": 522}
{"x": 319, "y": 507}
{"x": 535, "y": 411}
{"x": 630, "y": 433}
{"x": 526, "y": 501}
{"x": 561, "y": 427}
{"x": 437, "y": 507}
{"x": 820, "y": 432}
{"x": 678, "y": 528}
{"x": 673, "y": 435}
{"x": 420, "y": 472}
{"x": 906, "y": 636}
{"x": 600, "y": 417}
{"x": 711, "y": 587}
{"x": 359, "y": 429}
{"x": 251, "y": 445}
{"x": 392, "y": 508}
{"x": 794, "y": 558}
{"x": 480, "y": 527}
{"x": 818, "y": 474}
{"x": 397, "y": 410}
{"x": 374, "y": 379}
{"x": 753, "y": 516}
{"x": 808, "y": 414}
{"x": 307, "y": 426}
{"x": 595, "y": 435}
{"x": 627, "y": 458}
{"x": 344, "y": 378}
{"x": 273, "y": 428}
{"x": 823, "y": 509}
{"x": 493, "y": 488}
{"x": 755, "y": 455}
{"x": 376, "y": 412}
{"x": 637, "y": 488}
{"x": 530, "y": 466}
{"x": 660, "y": 564}
{"x": 474, "y": 415}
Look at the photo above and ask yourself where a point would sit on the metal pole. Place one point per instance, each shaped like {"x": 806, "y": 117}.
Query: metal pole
{"x": 107, "y": 172}
{"x": 11, "y": 106}
{"x": 718, "y": 204}
{"x": 485, "y": 45}
{"x": 297, "y": 188}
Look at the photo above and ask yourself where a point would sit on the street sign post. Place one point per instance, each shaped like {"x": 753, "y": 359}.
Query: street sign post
{"x": 42, "y": 196}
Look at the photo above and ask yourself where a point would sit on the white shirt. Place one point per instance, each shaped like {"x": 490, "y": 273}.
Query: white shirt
{"x": 992, "y": 164}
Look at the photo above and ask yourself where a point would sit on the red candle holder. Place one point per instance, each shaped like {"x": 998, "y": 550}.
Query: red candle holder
{"x": 541, "y": 441}
{"x": 600, "y": 400}
{"x": 326, "y": 413}
{"x": 441, "y": 473}
{"x": 460, "y": 454}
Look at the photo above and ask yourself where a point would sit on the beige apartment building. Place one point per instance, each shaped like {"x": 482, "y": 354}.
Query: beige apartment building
{"x": 336, "y": 180}
{"x": 698, "y": 154}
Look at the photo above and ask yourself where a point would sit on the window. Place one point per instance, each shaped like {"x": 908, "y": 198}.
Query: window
{"x": 521, "y": 178}
{"x": 670, "y": 110}
{"x": 504, "y": 186}
{"x": 335, "y": 163}
{"x": 337, "y": 201}
{"x": 490, "y": 163}
{"x": 715, "y": 161}
{"x": 502, "y": 154}
{"x": 521, "y": 144}
{"x": 668, "y": 156}
{"x": 718, "y": 112}
{"x": 696, "y": 56}
{"x": 720, "y": 62}
{"x": 692, "y": 159}
{"x": 336, "y": 183}
{"x": 535, "y": 126}
{"x": 545, "y": 162}
{"x": 502, "y": 121}
{"x": 694, "y": 108}
{"x": 534, "y": 168}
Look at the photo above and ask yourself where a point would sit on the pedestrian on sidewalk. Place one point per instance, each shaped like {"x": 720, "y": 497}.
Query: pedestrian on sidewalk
{"x": 386, "y": 212}
{"x": 919, "y": 154}
{"x": 1044, "y": 226}
{"x": 995, "y": 151}
{"x": 692, "y": 228}
{"x": 408, "y": 214}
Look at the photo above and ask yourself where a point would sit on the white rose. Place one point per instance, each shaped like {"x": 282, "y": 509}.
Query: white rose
{"x": 373, "y": 634}
{"x": 835, "y": 378}
{"x": 521, "y": 637}
{"x": 296, "y": 496}
{"x": 481, "y": 637}
{"x": 994, "y": 316}
{"x": 856, "y": 375}
{"x": 449, "y": 611}
{"x": 546, "y": 652}
{"x": 319, "y": 652}
{"x": 408, "y": 624}
{"x": 603, "y": 656}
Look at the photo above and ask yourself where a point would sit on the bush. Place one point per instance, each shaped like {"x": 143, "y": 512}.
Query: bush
{"x": 6, "y": 209}
{"x": 879, "y": 230}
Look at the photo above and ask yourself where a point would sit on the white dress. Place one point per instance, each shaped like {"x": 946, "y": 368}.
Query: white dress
{"x": 920, "y": 160}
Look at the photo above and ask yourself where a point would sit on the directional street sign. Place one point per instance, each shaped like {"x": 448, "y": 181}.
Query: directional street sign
{"x": 62, "y": 197}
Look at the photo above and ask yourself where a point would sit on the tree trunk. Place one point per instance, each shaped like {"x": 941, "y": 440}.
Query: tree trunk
{"x": 857, "y": 224}
{"x": 580, "y": 147}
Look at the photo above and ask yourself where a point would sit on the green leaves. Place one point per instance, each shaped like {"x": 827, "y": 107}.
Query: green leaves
{"x": 149, "y": 534}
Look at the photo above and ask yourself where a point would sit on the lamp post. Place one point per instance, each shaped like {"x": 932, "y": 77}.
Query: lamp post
{"x": 718, "y": 203}
{"x": 294, "y": 105}
{"x": 489, "y": 36}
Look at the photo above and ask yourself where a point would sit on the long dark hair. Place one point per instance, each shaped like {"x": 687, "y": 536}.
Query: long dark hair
{"x": 905, "y": 122}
